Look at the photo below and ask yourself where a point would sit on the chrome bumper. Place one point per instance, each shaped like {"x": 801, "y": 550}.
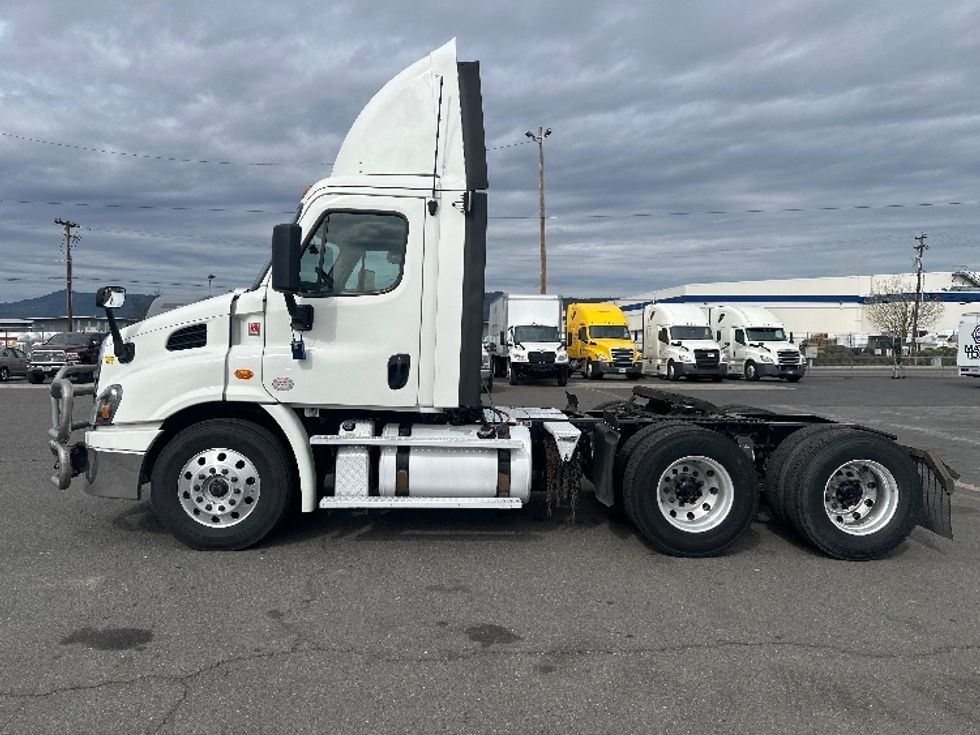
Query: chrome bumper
{"x": 107, "y": 474}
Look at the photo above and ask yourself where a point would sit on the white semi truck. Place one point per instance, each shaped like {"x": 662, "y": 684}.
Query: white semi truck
{"x": 678, "y": 343}
{"x": 968, "y": 345}
{"x": 756, "y": 344}
{"x": 348, "y": 376}
{"x": 527, "y": 338}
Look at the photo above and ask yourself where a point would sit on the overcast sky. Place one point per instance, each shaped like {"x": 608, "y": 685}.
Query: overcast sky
{"x": 670, "y": 121}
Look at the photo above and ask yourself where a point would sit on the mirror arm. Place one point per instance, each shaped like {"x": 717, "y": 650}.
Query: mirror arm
{"x": 124, "y": 351}
{"x": 300, "y": 315}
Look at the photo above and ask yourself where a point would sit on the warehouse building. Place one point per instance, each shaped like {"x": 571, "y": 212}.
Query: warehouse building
{"x": 833, "y": 305}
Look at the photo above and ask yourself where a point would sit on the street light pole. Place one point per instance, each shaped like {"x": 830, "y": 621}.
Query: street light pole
{"x": 539, "y": 139}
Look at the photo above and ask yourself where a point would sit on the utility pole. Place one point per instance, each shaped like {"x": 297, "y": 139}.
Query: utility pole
{"x": 70, "y": 240}
{"x": 919, "y": 249}
{"x": 211, "y": 277}
{"x": 539, "y": 139}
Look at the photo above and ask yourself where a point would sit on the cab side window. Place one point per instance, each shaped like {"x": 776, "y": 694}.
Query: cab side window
{"x": 353, "y": 253}
{"x": 582, "y": 335}
{"x": 740, "y": 336}
{"x": 662, "y": 335}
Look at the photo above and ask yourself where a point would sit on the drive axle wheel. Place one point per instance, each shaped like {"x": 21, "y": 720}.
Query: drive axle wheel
{"x": 222, "y": 484}
{"x": 855, "y": 495}
{"x": 689, "y": 491}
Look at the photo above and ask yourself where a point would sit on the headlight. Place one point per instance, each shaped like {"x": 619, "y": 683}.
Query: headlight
{"x": 71, "y": 357}
{"x": 106, "y": 405}
{"x": 602, "y": 358}
{"x": 685, "y": 357}
{"x": 765, "y": 358}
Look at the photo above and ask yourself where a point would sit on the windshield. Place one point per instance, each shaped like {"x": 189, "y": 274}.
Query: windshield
{"x": 608, "y": 331}
{"x": 70, "y": 338}
{"x": 536, "y": 333}
{"x": 765, "y": 334}
{"x": 690, "y": 333}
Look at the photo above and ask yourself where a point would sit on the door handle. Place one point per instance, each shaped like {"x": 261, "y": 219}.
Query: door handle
{"x": 399, "y": 367}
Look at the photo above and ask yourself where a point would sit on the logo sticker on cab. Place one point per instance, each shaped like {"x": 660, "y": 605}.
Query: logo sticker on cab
{"x": 254, "y": 329}
{"x": 283, "y": 382}
{"x": 110, "y": 359}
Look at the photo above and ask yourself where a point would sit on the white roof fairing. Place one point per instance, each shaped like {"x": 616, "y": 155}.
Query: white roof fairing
{"x": 395, "y": 134}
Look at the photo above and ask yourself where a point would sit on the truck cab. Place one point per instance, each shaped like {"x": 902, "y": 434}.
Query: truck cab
{"x": 599, "y": 341}
{"x": 678, "y": 343}
{"x": 756, "y": 344}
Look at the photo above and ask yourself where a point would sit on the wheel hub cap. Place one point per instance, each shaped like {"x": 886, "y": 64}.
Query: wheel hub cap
{"x": 695, "y": 494}
{"x": 861, "y": 497}
{"x": 218, "y": 487}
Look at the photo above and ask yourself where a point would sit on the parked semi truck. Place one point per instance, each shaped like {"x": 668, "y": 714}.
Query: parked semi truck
{"x": 678, "y": 343}
{"x": 755, "y": 343}
{"x": 968, "y": 345}
{"x": 599, "y": 341}
{"x": 348, "y": 376}
{"x": 527, "y": 330}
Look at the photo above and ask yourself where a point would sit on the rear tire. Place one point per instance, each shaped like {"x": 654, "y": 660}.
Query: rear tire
{"x": 690, "y": 491}
{"x": 4, "y": 374}
{"x": 778, "y": 482}
{"x": 857, "y": 496}
{"x": 222, "y": 484}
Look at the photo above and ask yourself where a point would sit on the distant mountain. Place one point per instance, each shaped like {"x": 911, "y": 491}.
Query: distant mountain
{"x": 83, "y": 304}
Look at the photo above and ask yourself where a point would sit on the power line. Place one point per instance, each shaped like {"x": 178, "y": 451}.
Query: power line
{"x": 582, "y": 215}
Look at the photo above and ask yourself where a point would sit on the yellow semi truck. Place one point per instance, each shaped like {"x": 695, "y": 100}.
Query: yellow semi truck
{"x": 599, "y": 342}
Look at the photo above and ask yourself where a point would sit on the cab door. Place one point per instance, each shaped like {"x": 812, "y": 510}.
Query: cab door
{"x": 361, "y": 272}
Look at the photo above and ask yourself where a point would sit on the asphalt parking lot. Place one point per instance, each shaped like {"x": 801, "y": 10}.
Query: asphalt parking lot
{"x": 510, "y": 622}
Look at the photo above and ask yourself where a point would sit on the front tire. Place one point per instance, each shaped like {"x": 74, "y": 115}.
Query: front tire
{"x": 562, "y": 378}
{"x": 672, "y": 373}
{"x": 512, "y": 376}
{"x": 689, "y": 491}
{"x": 593, "y": 371}
{"x": 751, "y": 371}
{"x": 35, "y": 378}
{"x": 222, "y": 484}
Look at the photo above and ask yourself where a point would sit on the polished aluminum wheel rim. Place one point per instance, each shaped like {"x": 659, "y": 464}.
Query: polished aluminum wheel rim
{"x": 861, "y": 497}
{"x": 218, "y": 487}
{"x": 695, "y": 494}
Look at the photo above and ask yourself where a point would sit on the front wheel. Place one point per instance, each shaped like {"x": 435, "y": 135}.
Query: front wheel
{"x": 751, "y": 371}
{"x": 562, "y": 378}
{"x": 672, "y": 373}
{"x": 512, "y": 376}
{"x": 594, "y": 371}
{"x": 35, "y": 378}
{"x": 793, "y": 378}
{"x": 221, "y": 485}
{"x": 689, "y": 491}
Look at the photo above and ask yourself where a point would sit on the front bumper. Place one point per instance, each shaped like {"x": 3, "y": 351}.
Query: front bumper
{"x": 770, "y": 370}
{"x": 607, "y": 368}
{"x": 108, "y": 473}
{"x": 969, "y": 371}
{"x": 539, "y": 368}
{"x": 690, "y": 370}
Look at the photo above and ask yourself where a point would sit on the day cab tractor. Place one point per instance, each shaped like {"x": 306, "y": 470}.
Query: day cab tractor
{"x": 348, "y": 376}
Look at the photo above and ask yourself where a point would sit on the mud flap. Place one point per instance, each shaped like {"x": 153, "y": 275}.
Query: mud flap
{"x": 605, "y": 442}
{"x": 938, "y": 483}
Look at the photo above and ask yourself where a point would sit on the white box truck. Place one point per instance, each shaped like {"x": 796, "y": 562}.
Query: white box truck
{"x": 968, "y": 345}
{"x": 348, "y": 376}
{"x": 756, "y": 344}
{"x": 527, "y": 336}
{"x": 678, "y": 343}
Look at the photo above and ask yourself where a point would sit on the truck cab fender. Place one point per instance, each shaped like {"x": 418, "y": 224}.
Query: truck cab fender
{"x": 299, "y": 444}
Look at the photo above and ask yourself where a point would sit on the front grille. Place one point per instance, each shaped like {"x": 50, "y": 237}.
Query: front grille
{"x": 622, "y": 357}
{"x": 547, "y": 358}
{"x": 788, "y": 357}
{"x": 707, "y": 358}
{"x": 188, "y": 338}
{"x": 49, "y": 356}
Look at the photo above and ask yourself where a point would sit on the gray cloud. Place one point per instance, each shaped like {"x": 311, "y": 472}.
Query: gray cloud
{"x": 692, "y": 107}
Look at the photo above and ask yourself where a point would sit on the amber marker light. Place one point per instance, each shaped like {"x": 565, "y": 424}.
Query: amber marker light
{"x": 244, "y": 374}
{"x": 105, "y": 412}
